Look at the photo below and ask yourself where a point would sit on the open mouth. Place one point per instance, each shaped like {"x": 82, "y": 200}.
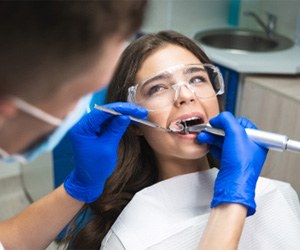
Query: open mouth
{"x": 181, "y": 126}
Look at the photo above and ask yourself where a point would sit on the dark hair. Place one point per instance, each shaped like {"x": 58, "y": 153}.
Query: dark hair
{"x": 136, "y": 168}
{"x": 43, "y": 43}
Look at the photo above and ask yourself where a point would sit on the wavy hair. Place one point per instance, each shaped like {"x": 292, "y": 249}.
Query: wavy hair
{"x": 136, "y": 167}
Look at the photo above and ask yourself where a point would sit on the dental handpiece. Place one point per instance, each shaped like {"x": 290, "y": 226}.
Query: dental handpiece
{"x": 265, "y": 139}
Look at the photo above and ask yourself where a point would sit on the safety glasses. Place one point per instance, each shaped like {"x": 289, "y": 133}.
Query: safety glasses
{"x": 203, "y": 81}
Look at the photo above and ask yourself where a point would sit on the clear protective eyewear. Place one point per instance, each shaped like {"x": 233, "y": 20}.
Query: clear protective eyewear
{"x": 161, "y": 90}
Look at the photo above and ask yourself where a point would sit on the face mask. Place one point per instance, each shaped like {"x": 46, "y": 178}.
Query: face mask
{"x": 62, "y": 128}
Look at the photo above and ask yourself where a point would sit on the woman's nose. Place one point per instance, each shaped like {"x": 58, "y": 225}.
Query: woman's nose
{"x": 184, "y": 94}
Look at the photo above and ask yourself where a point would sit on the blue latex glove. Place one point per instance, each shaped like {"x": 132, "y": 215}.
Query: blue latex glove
{"x": 95, "y": 139}
{"x": 241, "y": 161}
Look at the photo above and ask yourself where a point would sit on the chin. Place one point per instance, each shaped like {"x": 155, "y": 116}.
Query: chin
{"x": 193, "y": 153}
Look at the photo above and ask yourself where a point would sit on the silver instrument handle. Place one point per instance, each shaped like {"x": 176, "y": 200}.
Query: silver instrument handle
{"x": 268, "y": 140}
{"x": 265, "y": 139}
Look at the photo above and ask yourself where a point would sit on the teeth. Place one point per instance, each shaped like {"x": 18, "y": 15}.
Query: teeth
{"x": 190, "y": 122}
{"x": 190, "y": 119}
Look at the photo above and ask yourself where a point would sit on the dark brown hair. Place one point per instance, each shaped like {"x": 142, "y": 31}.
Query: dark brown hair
{"x": 43, "y": 43}
{"x": 136, "y": 168}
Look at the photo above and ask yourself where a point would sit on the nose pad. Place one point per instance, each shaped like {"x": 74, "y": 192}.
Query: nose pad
{"x": 184, "y": 93}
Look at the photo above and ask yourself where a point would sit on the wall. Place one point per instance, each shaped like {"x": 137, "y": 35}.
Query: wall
{"x": 286, "y": 11}
{"x": 8, "y": 170}
{"x": 185, "y": 16}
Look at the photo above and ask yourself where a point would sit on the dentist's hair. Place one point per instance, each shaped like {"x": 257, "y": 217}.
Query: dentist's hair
{"x": 45, "y": 43}
{"x": 137, "y": 166}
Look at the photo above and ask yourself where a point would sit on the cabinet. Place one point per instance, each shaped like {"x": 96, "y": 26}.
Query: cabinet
{"x": 273, "y": 104}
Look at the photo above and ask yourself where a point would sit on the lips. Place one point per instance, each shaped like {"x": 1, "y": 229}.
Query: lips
{"x": 179, "y": 125}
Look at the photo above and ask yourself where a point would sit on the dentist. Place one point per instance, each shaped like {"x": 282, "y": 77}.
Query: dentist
{"x": 52, "y": 56}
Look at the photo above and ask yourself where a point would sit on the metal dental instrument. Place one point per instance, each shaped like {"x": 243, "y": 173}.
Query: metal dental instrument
{"x": 141, "y": 121}
{"x": 266, "y": 139}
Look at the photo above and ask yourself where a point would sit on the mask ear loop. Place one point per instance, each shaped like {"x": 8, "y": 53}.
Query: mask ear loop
{"x": 36, "y": 112}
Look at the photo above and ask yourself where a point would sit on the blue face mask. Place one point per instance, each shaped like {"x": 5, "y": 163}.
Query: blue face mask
{"x": 62, "y": 128}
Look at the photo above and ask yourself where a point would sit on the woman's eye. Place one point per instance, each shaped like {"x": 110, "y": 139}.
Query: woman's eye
{"x": 155, "y": 89}
{"x": 197, "y": 79}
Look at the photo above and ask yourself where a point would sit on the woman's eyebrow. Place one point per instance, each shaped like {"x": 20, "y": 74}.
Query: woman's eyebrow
{"x": 167, "y": 75}
{"x": 193, "y": 70}
{"x": 162, "y": 76}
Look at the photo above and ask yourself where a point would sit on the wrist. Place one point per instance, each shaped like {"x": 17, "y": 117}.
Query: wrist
{"x": 224, "y": 227}
{"x": 82, "y": 192}
{"x": 233, "y": 213}
{"x": 71, "y": 198}
{"x": 235, "y": 194}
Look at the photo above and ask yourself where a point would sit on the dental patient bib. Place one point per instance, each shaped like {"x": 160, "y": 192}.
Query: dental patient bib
{"x": 173, "y": 214}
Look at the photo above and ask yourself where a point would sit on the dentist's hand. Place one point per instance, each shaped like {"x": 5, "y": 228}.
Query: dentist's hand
{"x": 241, "y": 161}
{"x": 95, "y": 139}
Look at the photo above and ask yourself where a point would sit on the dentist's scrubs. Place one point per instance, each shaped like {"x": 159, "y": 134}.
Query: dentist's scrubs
{"x": 173, "y": 214}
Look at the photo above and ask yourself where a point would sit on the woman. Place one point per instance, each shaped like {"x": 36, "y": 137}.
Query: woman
{"x": 165, "y": 180}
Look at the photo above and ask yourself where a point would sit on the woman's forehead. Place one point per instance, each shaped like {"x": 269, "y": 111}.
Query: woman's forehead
{"x": 166, "y": 57}
{"x": 175, "y": 70}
